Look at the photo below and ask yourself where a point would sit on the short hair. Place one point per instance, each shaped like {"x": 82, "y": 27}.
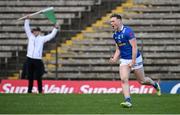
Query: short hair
{"x": 118, "y": 16}
{"x": 36, "y": 29}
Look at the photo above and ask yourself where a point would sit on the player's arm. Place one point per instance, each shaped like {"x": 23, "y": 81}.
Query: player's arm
{"x": 132, "y": 40}
{"x": 52, "y": 34}
{"x": 133, "y": 43}
{"x": 115, "y": 57}
{"x": 27, "y": 27}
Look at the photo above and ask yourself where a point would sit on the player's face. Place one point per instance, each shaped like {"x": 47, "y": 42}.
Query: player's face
{"x": 116, "y": 23}
{"x": 36, "y": 33}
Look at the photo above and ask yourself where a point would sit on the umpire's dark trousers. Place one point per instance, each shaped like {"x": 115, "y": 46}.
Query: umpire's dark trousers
{"x": 35, "y": 69}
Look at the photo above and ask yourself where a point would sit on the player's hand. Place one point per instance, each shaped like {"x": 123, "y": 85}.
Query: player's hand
{"x": 28, "y": 17}
{"x": 112, "y": 60}
{"x": 132, "y": 64}
{"x": 56, "y": 25}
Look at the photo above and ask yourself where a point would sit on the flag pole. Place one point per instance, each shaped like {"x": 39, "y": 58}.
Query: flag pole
{"x": 30, "y": 15}
{"x": 38, "y": 12}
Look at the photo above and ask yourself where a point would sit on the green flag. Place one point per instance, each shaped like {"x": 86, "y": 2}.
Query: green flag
{"x": 49, "y": 13}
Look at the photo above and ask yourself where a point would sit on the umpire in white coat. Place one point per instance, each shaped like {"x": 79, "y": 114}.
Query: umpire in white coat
{"x": 35, "y": 65}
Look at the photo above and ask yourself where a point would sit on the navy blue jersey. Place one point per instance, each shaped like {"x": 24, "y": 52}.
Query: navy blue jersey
{"x": 122, "y": 40}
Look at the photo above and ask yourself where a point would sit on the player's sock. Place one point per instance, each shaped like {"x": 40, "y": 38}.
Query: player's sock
{"x": 157, "y": 87}
{"x": 128, "y": 99}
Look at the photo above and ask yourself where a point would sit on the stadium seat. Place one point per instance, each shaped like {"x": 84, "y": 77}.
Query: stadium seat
{"x": 72, "y": 16}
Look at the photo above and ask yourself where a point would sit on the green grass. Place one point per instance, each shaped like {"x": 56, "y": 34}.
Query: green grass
{"x": 87, "y": 104}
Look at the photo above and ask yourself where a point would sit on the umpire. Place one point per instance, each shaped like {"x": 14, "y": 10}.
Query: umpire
{"x": 35, "y": 65}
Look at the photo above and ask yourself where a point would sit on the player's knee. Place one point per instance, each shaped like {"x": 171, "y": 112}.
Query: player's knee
{"x": 124, "y": 80}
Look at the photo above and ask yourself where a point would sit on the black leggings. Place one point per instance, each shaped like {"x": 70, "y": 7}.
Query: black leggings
{"x": 35, "y": 69}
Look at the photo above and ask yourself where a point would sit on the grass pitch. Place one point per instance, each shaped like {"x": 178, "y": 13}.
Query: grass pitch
{"x": 87, "y": 104}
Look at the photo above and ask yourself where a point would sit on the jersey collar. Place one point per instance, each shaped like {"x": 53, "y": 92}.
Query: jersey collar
{"x": 122, "y": 28}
